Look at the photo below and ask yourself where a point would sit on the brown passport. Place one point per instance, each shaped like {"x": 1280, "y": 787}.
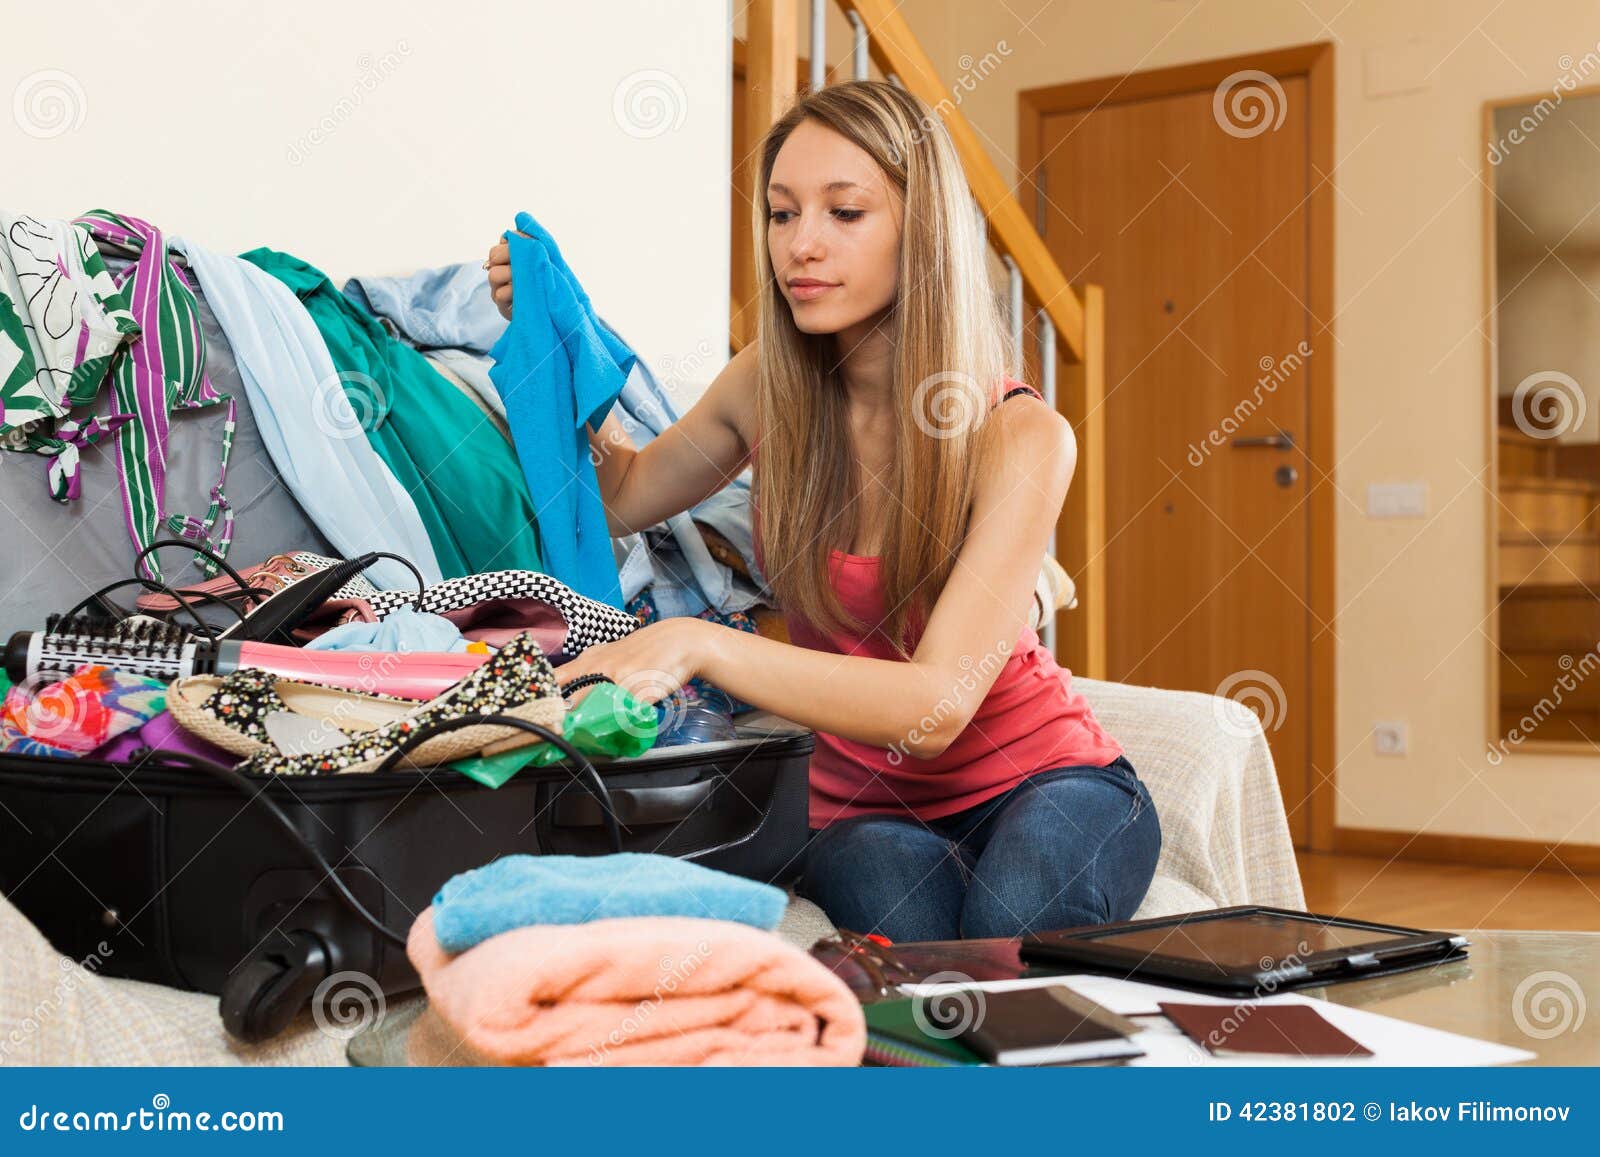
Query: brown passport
{"x": 1234, "y": 1030}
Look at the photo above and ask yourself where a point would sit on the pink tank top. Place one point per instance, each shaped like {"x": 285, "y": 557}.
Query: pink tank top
{"x": 1030, "y": 721}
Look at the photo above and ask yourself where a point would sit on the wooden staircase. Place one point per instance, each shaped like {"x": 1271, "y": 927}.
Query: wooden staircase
{"x": 1549, "y": 574}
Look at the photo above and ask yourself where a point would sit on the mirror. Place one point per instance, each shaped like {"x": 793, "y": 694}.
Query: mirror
{"x": 1544, "y": 375}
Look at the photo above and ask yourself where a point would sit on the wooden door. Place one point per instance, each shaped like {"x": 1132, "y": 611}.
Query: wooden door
{"x": 1199, "y": 235}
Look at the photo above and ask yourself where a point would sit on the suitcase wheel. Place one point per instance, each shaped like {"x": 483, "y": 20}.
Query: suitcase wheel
{"x": 269, "y": 989}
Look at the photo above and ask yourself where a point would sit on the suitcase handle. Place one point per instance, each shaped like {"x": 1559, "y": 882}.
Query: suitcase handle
{"x": 585, "y": 774}
{"x": 636, "y": 805}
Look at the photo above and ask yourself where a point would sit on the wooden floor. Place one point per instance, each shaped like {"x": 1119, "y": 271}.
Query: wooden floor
{"x": 1449, "y": 897}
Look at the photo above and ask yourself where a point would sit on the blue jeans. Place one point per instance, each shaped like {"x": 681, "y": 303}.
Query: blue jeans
{"x": 1067, "y": 846}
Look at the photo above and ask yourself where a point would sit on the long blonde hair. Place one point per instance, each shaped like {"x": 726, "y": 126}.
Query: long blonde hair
{"x": 951, "y": 353}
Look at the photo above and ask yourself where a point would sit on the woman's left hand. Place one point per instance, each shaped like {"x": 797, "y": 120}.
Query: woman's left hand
{"x": 650, "y": 663}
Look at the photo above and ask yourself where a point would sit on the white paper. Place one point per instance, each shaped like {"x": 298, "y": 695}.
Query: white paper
{"x": 1392, "y": 1041}
{"x": 294, "y": 734}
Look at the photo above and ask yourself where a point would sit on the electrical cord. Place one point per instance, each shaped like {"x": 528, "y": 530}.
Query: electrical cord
{"x": 586, "y": 774}
{"x": 245, "y": 590}
{"x": 205, "y": 629}
{"x": 373, "y": 555}
{"x": 257, "y": 795}
{"x": 185, "y": 544}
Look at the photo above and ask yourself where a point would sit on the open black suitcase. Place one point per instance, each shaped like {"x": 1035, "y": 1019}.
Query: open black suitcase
{"x": 192, "y": 883}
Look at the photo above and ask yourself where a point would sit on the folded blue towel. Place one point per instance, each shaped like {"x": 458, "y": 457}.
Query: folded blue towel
{"x": 515, "y": 891}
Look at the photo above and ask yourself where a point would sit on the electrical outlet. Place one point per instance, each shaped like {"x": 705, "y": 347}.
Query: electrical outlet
{"x": 1389, "y": 738}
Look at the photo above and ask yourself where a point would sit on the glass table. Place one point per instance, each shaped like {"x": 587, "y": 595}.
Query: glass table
{"x": 1527, "y": 990}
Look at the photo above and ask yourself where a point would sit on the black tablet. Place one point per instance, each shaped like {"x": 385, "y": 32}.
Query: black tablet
{"x": 1244, "y": 949}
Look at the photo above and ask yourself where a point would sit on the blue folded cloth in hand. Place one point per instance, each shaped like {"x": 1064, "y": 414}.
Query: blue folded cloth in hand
{"x": 559, "y": 369}
{"x": 516, "y": 891}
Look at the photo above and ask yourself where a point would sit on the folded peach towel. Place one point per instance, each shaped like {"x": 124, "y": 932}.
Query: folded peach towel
{"x": 640, "y": 990}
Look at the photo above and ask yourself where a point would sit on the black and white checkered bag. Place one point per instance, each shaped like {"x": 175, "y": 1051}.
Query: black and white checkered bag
{"x": 588, "y": 622}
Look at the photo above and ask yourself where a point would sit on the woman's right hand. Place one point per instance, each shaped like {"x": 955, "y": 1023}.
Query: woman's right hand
{"x": 499, "y": 267}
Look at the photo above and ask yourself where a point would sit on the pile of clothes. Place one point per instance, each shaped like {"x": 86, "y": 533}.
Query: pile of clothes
{"x": 413, "y": 661}
{"x": 158, "y": 381}
{"x": 626, "y": 959}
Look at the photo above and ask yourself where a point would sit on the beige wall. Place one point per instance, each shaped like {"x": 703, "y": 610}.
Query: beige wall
{"x": 379, "y": 136}
{"x": 1411, "y": 389}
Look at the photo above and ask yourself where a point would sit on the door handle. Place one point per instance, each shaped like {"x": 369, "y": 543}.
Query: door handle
{"x": 1282, "y": 440}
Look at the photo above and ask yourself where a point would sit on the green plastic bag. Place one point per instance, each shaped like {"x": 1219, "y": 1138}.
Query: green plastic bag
{"x": 608, "y": 721}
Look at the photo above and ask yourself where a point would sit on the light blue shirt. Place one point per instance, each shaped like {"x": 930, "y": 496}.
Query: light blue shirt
{"x": 291, "y": 382}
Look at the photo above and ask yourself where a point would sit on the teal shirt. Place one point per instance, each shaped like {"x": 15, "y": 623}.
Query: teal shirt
{"x": 458, "y": 469}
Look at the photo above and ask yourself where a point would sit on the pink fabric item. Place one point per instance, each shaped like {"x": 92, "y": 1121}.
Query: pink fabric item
{"x": 1031, "y": 720}
{"x": 498, "y": 621}
{"x": 641, "y": 990}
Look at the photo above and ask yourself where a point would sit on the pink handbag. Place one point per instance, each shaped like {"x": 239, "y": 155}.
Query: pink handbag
{"x": 266, "y": 579}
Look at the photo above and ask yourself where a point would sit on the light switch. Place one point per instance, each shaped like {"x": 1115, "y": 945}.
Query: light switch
{"x": 1398, "y": 68}
{"x": 1397, "y": 500}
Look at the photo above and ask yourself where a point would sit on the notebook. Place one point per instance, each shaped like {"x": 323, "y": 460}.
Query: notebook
{"x": 894, "y": 1038}
{"x": 1043, "y": 1026}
